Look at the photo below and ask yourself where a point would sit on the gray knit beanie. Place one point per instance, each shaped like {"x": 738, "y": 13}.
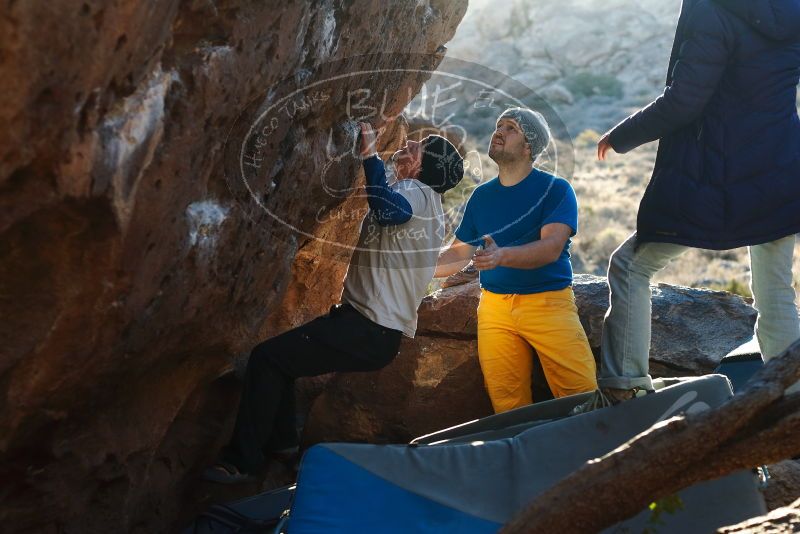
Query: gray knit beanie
{"x": 534, "y": 127}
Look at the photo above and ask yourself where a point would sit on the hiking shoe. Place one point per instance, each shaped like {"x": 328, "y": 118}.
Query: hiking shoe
{"x": 605, "y": 397}
{"x": 227, "y": 473}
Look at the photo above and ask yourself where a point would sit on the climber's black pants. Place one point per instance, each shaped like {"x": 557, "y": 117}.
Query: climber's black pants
{"x": 343, "y": 340}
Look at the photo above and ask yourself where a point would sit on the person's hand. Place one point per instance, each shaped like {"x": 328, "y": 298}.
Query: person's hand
{"x": 368, "y": 140}
{"x": 489, "y": 257}
{"x": 603, "y": 146}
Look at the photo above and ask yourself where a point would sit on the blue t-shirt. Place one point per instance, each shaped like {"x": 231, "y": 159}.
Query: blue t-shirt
{"x": 514, "y": 216}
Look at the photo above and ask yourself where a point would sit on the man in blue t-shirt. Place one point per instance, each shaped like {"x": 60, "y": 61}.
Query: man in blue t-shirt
{"x": 516, "y": 229}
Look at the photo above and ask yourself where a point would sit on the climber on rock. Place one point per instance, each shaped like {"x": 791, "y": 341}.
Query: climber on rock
{"x": 727, "y": 175}
{"x": 523, "y": 221}
{"x": 386, "y": 280}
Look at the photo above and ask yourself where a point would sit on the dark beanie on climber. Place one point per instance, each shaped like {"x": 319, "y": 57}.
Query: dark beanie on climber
{"x": 442, "y": 165}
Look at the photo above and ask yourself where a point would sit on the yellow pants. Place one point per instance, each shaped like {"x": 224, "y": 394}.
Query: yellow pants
{"x": 511, "y": 326}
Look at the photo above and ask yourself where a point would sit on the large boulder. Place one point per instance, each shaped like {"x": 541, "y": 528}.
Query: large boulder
{"x": 131, "y": 271}
{"x": 433, "y": 383}
{"x": 779, "y": 521}
{"x": 436, "y": 381}
{"x": 692, "y": 328}
{"x": 783, "y": 487}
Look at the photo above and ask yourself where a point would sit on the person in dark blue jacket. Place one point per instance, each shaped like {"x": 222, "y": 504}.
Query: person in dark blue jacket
{"x": 727, "y": 174}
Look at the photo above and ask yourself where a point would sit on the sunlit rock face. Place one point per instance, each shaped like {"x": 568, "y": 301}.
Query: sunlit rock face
{"x": 131, "y": 271}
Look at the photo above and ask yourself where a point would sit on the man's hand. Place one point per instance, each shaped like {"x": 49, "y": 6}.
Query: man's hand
{"x": 489, "y": 257}
{"x": 603, "y": 146}
{"x": 368, "y": 140}
{"x": 455, "y": 258}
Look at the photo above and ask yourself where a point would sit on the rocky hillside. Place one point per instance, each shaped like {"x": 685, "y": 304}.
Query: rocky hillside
{"x": 131, "y": 271}
{"x": 592, "y": 61}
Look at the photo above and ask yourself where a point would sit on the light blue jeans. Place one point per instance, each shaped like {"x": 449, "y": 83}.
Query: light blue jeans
{"x": 626, "y": 329}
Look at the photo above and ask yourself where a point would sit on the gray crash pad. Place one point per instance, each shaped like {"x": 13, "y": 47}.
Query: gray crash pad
{"x": 494, "y": 478}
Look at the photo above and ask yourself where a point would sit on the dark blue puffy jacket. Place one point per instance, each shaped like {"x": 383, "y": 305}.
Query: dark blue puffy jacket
{"x": 727, "y": 172}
